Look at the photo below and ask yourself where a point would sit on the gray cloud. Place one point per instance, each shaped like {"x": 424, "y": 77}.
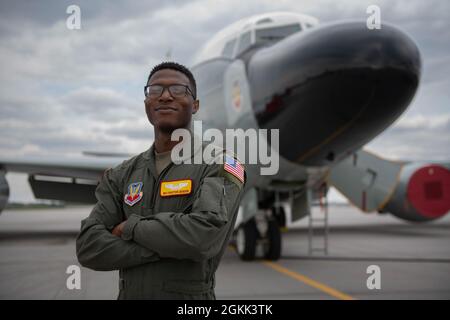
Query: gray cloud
{"x": 101, "y": 104}
{"x": 133, "y": 130}
{"x": 416, "y": 137}
{"x": 47, "y": 13}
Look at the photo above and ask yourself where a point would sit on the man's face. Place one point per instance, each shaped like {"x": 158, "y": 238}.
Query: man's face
{"x": 168, "y": 113}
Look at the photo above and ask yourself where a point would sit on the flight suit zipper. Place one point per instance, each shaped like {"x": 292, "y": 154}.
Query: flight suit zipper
{"x": 156, "y": 185}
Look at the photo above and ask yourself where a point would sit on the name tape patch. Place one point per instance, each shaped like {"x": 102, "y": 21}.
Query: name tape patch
{"x": 175, "y": 188}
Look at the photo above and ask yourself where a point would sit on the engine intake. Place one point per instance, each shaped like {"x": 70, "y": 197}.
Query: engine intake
{"x": 423, "y": 193}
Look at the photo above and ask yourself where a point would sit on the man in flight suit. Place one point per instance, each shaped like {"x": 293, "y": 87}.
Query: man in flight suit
{"x": 164, "y": 225}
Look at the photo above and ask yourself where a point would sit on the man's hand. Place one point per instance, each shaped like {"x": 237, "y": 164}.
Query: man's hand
{"x": 117, "y": 231}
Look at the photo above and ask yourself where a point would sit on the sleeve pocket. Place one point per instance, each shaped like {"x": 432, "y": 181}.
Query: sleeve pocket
{"x": 211, "y": 198}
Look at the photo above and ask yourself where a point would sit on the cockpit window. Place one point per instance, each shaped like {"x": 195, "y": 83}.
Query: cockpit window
{"x": 276, "y": 33}
{"x": 245, "y": 41}
{"x": 229, "y": 48}
{"x": 264, "y": 20}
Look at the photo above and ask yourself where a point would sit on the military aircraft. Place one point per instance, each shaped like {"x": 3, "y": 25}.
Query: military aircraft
{"x": 329, "y": 89}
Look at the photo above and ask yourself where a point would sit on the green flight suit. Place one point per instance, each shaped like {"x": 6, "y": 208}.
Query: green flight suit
{"x": 171, "y": 246}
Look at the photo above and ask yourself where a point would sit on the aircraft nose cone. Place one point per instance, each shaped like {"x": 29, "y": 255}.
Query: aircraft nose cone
{"x": 339, "y": 85}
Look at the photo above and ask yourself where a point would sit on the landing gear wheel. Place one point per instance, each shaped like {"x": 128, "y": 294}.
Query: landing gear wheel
{"x": 272, "y": 249}
{"x": 280, "y": 217}
{"x": 246, "y": 239}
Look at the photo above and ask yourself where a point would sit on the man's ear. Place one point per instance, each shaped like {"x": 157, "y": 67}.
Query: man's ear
{"x": 196, "y": 106}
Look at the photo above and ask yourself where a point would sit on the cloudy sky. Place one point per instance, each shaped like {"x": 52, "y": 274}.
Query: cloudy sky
{"x": 66, "y": 91}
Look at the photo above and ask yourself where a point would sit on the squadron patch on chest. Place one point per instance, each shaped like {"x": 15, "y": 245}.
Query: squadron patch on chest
{"x": 175, "y": 188}
{"x": 134, "y": 193}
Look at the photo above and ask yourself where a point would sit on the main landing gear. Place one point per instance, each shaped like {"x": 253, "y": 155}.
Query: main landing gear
{"x": 260, "y": 237}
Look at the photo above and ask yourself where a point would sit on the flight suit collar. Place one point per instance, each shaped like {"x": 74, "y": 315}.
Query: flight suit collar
{"x": 195, "y": 145}
{"x": 150, "y": 156}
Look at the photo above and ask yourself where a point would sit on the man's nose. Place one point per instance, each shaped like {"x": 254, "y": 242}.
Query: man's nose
{"x": 165, "y": 95}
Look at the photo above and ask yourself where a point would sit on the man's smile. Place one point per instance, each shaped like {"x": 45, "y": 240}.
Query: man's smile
{"x": 165, "y": 109}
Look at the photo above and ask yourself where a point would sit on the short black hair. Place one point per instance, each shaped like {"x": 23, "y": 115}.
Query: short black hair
{"x": 177, "y": 67}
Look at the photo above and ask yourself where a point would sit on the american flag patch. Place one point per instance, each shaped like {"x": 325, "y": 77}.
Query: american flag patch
{"x": 234, "y": 167}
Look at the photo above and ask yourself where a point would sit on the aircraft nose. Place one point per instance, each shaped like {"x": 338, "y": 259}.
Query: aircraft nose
{"x": 331, "y": 90}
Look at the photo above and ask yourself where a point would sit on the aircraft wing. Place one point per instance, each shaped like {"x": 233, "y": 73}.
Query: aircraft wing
{"x": 63, "y": 167}
{"x": 68, "y": 179}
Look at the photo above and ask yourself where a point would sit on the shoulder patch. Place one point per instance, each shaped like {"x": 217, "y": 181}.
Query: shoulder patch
{"x": 234, "y": 167}
{"x": 134, "y": 194}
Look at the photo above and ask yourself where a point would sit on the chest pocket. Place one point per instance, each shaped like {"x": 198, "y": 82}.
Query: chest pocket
{"x": 186, "y": 205}
{"x": 182, "y": 203}
{"x": 129, "y": 210}
{"x": 176, "y": 195}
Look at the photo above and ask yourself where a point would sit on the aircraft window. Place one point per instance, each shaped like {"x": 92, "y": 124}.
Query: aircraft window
{"x": 228, "y": 49}
{"x": 276, "y": 33}
{"x": 245, "y": 41}
{"x": 308, "y": 25}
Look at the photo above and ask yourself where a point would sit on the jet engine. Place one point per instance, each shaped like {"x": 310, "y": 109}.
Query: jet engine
{"x": 413, "y": 191}
{"x": 422, "y": 193}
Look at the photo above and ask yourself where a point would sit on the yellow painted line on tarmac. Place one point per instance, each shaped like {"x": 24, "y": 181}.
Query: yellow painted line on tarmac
{"x": 308, "y": 281}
